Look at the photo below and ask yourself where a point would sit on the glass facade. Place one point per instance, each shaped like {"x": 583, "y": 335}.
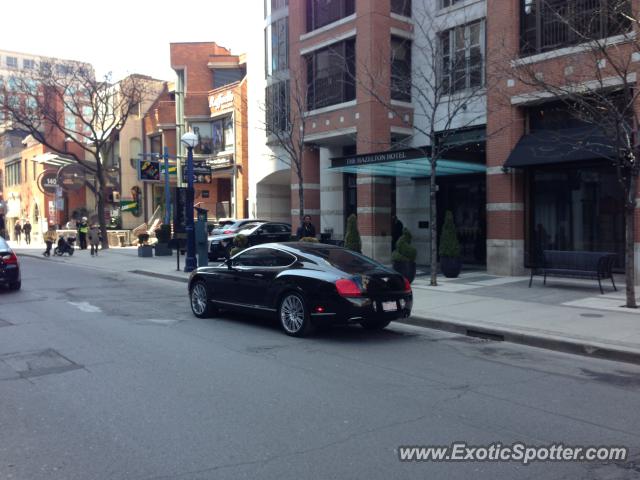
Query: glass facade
{"x": 331, "y": 75}
{"x": 575, "y": 208}
{"x": 324, "y": 12}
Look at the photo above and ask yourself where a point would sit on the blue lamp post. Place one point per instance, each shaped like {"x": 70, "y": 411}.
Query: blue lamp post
{"x": 190, "y": 140}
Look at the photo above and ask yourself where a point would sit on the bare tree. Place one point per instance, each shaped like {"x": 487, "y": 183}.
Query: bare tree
{"x": 597, "y": 85}
{"x": 444, "y": 78}
{"x": 285, "y": 125}
{"x": 62, "y": 102}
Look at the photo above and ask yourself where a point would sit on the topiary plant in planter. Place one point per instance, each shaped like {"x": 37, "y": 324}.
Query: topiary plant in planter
{"x": 450, "y": 263}
{"x": 240, "y": 242}
{"x": 163, "y": 234}
{"x": 404, "y": 256}
{"x": 352, "y": 239}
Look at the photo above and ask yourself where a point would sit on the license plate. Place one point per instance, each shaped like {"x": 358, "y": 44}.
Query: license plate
{"x": 389, "y": 306}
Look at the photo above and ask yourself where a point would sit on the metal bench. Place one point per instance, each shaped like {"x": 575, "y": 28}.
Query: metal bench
{"x": 597, "y": 265}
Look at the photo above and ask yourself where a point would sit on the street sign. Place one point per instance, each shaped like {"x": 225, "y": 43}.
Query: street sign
{"x": 48, "y": 182}
{"x": 149, "y": 170}
{"x": 71, "y": 177}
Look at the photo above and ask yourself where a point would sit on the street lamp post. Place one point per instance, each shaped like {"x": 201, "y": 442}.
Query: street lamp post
{"x": 190, "y": 140}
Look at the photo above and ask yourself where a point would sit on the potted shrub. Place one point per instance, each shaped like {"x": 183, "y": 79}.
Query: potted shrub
{"x": 404, "y": 256}
{"x": 144, "y": 249}
{"x": 352, "y": 237}
{"x": 240, "y": 242}
{"x": 450, "y": 263}
{"x": 162, "y": 247}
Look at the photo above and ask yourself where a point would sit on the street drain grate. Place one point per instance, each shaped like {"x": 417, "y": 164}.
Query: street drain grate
{"x": 591, "y": 315}
{"x": 38, "y": 364}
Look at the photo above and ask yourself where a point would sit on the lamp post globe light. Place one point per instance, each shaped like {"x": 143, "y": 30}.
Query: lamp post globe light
{"x": 190, "y": 140}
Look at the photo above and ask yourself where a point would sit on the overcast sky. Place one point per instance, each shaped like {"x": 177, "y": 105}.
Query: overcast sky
{"x": 122, "y": 36}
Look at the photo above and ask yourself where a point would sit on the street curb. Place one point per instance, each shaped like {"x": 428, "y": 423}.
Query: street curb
{"x": 160, "y": 275}
{"x": 594, "y": 350}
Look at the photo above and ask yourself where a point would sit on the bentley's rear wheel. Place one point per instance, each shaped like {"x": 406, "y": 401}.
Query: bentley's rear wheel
{"x": 294, "y": 316}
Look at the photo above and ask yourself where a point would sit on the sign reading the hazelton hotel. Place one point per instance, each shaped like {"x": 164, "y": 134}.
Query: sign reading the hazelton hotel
{"x": 382, "y": 157}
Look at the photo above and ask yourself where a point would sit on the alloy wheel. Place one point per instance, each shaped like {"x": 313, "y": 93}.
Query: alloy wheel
{"x": 292, "y": 314}
{"x": 199, "y": 299}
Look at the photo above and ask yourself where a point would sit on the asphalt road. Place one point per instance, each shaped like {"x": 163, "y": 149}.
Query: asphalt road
{"x": 109, "y": 376}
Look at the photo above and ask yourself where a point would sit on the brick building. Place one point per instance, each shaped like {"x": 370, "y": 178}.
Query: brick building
{"x": 545, "y": 189}
{"x": 210, "y": 99}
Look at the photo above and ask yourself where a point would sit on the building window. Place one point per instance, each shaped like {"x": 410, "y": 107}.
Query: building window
{"x": 214, "y": 137}
{"x": 271, "y": 6}
{"x": 155, "y": 144}
{"x": 13, "y": 174}
{"x": 400, "y": 69}
{"x": 277, "y": 107}
{"x": 12, "y": 62}
{"x": 449, "y": 3}
{"x": 227, "y": 76}
{"x": 277, "y": 46}
{"x": 402, "y": 7}
{"x": 28, "y": 64}
{"x": 331, "y": 75}
{"x": 324, "y": 12}
{"x": 462, "y": 57}
{"x": 551, "y": 24}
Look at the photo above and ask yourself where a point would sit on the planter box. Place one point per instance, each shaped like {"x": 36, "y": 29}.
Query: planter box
{"x": 145, "y": 251}
{"x": 162, "y": 250}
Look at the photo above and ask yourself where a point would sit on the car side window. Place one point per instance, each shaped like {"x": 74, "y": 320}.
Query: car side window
{"x": 252, "y": 258}
{"x": 276, "y": 258}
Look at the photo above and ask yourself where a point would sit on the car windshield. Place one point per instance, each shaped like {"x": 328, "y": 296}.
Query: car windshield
{"x": 344, "y": 260}
{"x": 248, "y": 226}
{"x": 4, "y": 246}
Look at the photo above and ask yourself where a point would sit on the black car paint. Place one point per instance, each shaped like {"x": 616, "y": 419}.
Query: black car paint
{"x": 9, "y": 273}
{"x": 262, "y": 288}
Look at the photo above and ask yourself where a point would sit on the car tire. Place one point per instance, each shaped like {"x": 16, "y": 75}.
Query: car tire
{"x": 375, "y": 324}
{"x": 199, "y": 300}
{"x": 15, "y": 285}
{"x": 294, "y": 315}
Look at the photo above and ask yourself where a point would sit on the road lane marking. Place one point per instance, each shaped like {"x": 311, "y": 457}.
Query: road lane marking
{"x": 86, "y": 307}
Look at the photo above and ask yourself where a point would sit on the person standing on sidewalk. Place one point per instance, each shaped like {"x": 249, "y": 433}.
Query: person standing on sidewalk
{"x": 94, "y": 239}
{"x": 83, "y": 230}
{"x": 306, "y": 229}
{"x": 17, "y": 231}
{"x": 26, "y": 228}
{"x": 49, "y": 237}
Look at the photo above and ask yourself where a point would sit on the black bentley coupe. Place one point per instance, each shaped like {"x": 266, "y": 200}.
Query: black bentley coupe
{"x": 305, "y": 284}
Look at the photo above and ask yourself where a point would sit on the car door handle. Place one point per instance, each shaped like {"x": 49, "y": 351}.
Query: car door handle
{"x": 258, "y": 275}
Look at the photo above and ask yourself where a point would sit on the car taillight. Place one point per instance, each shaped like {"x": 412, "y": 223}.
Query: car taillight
{"x": 348, "y": 288}
{"x": 9, "y": 258}
{"x": 407, "y": 285}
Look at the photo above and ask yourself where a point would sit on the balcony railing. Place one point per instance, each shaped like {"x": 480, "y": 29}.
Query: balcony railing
{"x": 551, "y": 24}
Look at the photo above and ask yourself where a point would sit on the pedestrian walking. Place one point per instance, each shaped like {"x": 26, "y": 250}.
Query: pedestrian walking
{"x": 2, "y": 227}
{"x": 49, "y": 237}
{"x": 26, "y": 228}
{"x": 306, "y": 229}
{"x": 94, "y": 239}
{"x": 83, "y": 230}
{"x": 17, "y": 231}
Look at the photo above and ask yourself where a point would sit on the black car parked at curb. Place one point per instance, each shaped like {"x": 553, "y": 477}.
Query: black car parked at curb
{"x": 9, "y": 266}
{"x": 257, "y": 232}
{"x": 305, "y": 284}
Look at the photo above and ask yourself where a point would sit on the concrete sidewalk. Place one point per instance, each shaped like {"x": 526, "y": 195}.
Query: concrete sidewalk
{"x": 565, "y": 315}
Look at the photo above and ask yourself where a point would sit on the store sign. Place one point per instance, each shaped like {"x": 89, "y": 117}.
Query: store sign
{"x": 221, "y": 101}
{"x": 382, "y": 157}
{"x": 48, "y": 182}
{"x": 149, "y": 170}
{"x": 128, "y": 205}
{"x": 201, "y": 172}
{"x": 71, "y": 178}
{"x": 223, "y": 162}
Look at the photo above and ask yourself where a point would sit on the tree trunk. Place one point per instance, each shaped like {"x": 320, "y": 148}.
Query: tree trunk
{"x": 629, "y": 253}
{"x": 434, "y": 226}
{"x": 100, "y": 201}
{"x": 301, "y": 194}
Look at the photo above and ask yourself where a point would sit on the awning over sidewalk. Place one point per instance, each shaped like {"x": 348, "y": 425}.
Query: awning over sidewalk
{"x": 546, "y": 147}
{"x": 403, "y": 163}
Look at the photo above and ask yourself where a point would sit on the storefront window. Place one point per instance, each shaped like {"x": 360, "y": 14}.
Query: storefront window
{"x": 575, "y": 208}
